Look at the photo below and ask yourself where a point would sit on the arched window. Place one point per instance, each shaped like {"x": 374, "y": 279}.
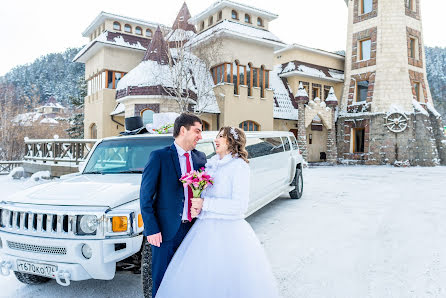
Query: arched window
{"x": 93, "y": 131}
{"x": 149, "y": 33}
{"x": 220, "y": 15}
{"x": 249, "y": 126}
{"x": 249, "y": 78}
{"x": 147, "y": 116}
{"x": 259, "y": 22}
{"x": 234, "y": 15}
{"x": 235, "y": 80}
{"x": 128, "y": 28}
{"x": 138, "y": 30}
{"x": 247, "y": 18}
{"x": 211, "y": 20}
{"x": 206, "y": 125}
{"x": 116, "y": 26}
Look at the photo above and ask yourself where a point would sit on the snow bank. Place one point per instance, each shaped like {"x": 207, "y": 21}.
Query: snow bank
{"x": 418, "y": 108}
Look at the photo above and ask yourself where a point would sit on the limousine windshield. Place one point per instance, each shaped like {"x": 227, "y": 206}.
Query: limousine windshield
{"x": 127, "y": 155}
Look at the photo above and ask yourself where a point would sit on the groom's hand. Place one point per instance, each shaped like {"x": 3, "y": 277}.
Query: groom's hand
{"x": 155, "y": 239}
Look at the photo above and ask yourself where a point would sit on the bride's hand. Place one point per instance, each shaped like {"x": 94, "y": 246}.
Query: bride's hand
{"x": 197, "y": 203}
{"x": 194, "y": 212}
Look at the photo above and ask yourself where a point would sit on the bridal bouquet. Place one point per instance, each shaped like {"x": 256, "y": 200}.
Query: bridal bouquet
{"x": 197, "y": 180}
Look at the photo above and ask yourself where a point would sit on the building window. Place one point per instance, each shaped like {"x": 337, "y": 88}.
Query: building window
{"x": 411, "y": 5}
{"x": 147, "y": 116}
{"x": 211, "y": 20}
{"x": 365, "y": 49}
{"x": 93, "y": 131}
{"x": 416, "y": 86}
{"x": 235, "y": 79}
{"x": 220, "y": 15}
{"x": 206, "y": 126}
{"x": 358, "y": 140}
{"x": 262, "y": 81}
{"x": 260, "y": 22}
{"x": 234, "y": 15}
{"x": 326, "y": 91}
{"x": 218, "y": 73}
{"x": 149, "y": 33}
{"x": 128, "y": 28}
{"x": 249, "y": 126}
{"x": 116, "y": 26}
{"x": 249, "y": 78}
{"x": 113, "y": 78}
{"x": 202, "y": 26}
{"x": 316, "y": 92}
{"x": 362, "y": 90}
{"x": 412, "y": 44}
{"x": 366, "y": 6}
{"x": 247, "y": 18}
{"x": 138, "y": 30}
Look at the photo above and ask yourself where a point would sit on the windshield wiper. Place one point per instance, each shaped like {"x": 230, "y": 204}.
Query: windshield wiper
{"x": 128, "y": 172}
{"x": 93, "y": 172}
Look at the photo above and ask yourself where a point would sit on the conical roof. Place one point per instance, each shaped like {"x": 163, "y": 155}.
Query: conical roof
{"x": 158, "y": 49}
{"x": 181, "y": 22}
{"x": 331, "y": 100}
{"x": 302, "y": 94}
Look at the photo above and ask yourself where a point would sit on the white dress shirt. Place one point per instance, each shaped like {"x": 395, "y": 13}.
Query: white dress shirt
{"x": 183, "y": 167}
{"x": 228, "y": 197}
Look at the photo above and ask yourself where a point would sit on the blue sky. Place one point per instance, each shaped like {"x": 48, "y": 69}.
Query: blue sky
{"x": 35, "y": 28}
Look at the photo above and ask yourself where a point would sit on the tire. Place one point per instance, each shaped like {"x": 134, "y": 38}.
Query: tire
{"x": 146, "y": 270}
{"x": 298, "y": 182}
{"x": 31, "y": 279}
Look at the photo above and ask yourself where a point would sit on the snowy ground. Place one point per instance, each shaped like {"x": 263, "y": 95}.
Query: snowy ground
{"x": 356, "y": 232}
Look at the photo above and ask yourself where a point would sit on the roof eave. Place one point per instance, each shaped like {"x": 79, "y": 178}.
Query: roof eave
{"x": 298, "y": 73}
{"x": 93, "y": 48}
{"x": 308, "y": 49}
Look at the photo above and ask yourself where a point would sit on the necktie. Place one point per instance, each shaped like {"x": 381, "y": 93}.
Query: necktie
{"x": 189, "y": 189}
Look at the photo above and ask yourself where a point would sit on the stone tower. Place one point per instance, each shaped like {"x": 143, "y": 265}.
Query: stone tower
{"x": 386, "y": 113}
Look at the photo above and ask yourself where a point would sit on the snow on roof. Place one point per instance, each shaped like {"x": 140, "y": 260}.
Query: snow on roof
{"x": 27, "y": 118}
{"x": 113, "y": 39}
{"x": 301, "y": 92}
{"x": 311, "y": 70}
{"x": 228, "y": 27}
{"x": 309, "y": 49}
{"x": 284, "y": 107}
{"x": 119, "y": 109}
{"x": 331, "y": 98}
{"x": 417, "y": 107}
{"x": 105, "y": 16}
{"x": 180, "y": 35}
{"x": 48, "y": 121}
{"x": 433, "y": 110}
{"x": 219, "y": 5}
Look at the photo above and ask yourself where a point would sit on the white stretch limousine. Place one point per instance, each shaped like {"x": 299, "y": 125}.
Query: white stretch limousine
{"x": 87, "y": 225}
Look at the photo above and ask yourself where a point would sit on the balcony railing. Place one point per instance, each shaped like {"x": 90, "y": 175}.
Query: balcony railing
{"x": 7, "y": 166}
{"x": 58, "y": 150}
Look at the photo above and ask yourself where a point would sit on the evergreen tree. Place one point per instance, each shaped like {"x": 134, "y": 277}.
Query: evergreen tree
{"x": 76, "y": 130}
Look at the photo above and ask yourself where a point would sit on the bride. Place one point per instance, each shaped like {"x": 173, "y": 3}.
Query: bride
{"x": 221, "y": 256}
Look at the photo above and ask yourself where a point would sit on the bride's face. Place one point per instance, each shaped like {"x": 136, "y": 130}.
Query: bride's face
{"x": 221, "y": 144}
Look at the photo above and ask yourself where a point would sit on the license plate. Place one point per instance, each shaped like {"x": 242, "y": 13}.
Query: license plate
{"x": 37, "y": 268}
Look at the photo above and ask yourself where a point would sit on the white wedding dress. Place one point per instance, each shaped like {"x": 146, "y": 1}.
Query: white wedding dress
{"x": 221, "y": 256}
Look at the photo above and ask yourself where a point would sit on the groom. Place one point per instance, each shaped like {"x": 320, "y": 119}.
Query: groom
{"x": 165, "y": 203}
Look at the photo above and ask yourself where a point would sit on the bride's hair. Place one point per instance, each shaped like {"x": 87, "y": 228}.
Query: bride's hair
{"x": 236, "y": 141}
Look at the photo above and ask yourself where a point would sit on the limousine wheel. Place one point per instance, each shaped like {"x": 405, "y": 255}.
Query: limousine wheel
{"x": 31, "y": 279}
{"x": 298, "y": 182}
{"x": 146, "y": 270}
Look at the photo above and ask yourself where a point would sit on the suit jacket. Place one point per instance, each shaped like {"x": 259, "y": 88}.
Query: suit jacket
{"x": 162, "y": 193}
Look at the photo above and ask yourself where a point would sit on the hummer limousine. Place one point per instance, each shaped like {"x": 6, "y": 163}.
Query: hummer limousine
{"x": 87, "y": 225}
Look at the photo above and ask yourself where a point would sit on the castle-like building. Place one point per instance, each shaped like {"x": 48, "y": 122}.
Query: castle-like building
{"x": 371, "y": 106}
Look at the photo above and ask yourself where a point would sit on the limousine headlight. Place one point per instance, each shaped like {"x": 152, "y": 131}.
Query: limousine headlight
{"x": 88, "y": 224}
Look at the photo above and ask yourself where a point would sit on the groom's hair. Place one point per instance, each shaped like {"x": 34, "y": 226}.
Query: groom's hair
{"x": 185, "y": 119}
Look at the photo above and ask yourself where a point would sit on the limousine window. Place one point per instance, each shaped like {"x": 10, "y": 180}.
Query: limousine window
{"x": 294, "y": 143}
{"x": 207, "y": 148}
{"x": 286, "y": 143}
{"x": 124, "y": 156}
{"x": 258, "y": 147}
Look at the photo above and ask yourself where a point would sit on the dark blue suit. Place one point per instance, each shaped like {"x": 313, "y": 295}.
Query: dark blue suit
{"x": 162, "y": 202}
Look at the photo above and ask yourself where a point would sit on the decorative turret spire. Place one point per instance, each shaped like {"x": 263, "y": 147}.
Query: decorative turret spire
{"x": 157, "y": 50}
{"x": 181, "y": 22}
{"x": 331, "y": 100}
{"x": 302, "y": 94}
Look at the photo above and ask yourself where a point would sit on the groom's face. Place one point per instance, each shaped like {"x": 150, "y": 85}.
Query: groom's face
{"x": 192, "y": 136}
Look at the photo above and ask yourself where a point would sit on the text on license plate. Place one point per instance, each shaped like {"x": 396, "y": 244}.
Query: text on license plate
{"x": 35, "y": 268}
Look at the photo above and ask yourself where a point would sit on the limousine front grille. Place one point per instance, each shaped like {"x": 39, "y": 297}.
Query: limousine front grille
{"x": 50, "y": 250}
{"x": 25, "y": 222}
